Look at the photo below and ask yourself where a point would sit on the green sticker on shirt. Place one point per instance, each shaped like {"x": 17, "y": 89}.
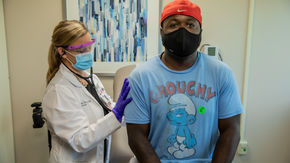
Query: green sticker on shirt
{"x": 201, "y": 109}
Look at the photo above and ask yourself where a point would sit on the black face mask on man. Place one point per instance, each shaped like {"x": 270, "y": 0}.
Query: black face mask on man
{"x": 181, "y": 43}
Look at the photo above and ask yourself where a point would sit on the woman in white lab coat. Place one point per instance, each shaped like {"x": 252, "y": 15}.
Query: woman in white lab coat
{"x": 80, "y": 115}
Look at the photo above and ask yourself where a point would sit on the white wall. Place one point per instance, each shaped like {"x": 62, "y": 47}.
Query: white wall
{"x": 6, "y": 128}
{"x": 268, "y": 111}
{"x": 29, "y": 25}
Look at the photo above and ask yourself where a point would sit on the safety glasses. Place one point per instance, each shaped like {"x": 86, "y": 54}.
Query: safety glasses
{"x": 86, "y": 47}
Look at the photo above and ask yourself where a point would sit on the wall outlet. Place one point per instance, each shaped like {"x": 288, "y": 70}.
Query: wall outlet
{"x": 243, "y": 148}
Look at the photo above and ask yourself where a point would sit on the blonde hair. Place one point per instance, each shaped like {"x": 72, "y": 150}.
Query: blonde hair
{"x": 64, "y": 34}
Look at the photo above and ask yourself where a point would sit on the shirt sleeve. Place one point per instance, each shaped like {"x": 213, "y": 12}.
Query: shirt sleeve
{"x": 229, "y": 101}
{"x": 137, "y": 111}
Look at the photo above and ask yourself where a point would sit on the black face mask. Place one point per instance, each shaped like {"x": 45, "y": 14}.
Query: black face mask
{"x": 181, "y": 43}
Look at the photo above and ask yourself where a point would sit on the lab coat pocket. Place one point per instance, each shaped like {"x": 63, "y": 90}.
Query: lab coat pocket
{"x": 89, "y": 113}
{"x": 93, "y": 110}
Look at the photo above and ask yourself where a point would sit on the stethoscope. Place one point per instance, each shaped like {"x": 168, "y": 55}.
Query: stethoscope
{"x": 93, "y": 89}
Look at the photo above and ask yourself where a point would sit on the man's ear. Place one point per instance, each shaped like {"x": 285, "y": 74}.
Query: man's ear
{"x": 161, "y": 30}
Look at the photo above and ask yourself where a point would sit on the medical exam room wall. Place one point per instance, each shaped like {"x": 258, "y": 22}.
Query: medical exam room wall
{"x": 268, "y": 101}
{"x": 29, "y": 25}
{"x": 6, "y": 126}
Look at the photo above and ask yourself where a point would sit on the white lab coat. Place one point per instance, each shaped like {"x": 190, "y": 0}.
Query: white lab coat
{"x": 76, "y": 120}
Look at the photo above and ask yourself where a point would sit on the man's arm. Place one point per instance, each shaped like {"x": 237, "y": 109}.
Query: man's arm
{"x": 139, "y": 143}
{"x": 228, "y": 141}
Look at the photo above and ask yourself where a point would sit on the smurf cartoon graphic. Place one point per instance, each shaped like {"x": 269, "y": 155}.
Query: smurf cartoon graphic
{"x": 181, "y": 114}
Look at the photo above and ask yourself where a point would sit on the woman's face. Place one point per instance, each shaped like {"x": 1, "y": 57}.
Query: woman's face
{"x": 80, "y": 41}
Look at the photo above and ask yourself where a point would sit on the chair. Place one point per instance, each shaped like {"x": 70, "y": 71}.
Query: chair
{"x": 120, "y": 150}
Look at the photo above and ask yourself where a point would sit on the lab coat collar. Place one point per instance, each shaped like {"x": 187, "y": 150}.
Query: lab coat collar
{"x": 69, "y": 76}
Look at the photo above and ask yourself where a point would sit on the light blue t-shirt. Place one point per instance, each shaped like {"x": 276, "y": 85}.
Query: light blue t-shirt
{"x": 183, "y": 107}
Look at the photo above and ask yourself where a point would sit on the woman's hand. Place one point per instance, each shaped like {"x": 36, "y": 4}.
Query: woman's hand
{"x": 118, "y": 110}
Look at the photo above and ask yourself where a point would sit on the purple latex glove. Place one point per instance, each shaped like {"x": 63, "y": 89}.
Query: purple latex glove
{"x": 118, "y": 110}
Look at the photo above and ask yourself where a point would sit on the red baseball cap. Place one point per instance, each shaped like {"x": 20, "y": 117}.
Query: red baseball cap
{"x": 181, "y": 7}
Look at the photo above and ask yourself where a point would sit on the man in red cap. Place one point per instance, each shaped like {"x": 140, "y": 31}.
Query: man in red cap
{"x": 186, "y": 105}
